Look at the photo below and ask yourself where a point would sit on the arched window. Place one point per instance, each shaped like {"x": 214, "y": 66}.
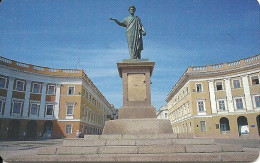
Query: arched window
{"x": 48, "y": 129}
{"x": 242, "y": 125}
{"x": 258, "y": 123}
{"x": 224, "y": 124}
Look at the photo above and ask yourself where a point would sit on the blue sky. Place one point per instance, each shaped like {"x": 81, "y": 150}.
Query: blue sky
{"x": 77, "y": 34}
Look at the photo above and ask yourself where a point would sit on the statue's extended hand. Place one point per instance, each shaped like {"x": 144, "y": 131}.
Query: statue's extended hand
{"x": 112, "y": 19}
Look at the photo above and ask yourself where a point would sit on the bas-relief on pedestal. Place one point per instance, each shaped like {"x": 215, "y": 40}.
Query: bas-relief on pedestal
{"x": 137, "y": 115}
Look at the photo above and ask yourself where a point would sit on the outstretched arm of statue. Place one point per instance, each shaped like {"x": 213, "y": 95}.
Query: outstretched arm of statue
{"x": 118, "y": 22}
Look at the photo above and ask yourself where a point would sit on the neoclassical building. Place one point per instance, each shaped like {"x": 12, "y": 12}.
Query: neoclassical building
{"x": 162, "y": 113}
{"x": 39, "y": 101}
{"x": 221, "y": 100}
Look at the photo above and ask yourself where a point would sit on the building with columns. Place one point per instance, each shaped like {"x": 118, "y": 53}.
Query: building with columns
{"x": 162, "y": 113}
{"x": 221, "y": 100}
{"x": 39, "y": 101}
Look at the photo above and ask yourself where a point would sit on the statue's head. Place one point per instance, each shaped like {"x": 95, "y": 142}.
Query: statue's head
{"x": 133, "y": 7}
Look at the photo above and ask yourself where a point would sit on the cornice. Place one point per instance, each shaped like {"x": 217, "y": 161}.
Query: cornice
{"x": 251, "y": 64}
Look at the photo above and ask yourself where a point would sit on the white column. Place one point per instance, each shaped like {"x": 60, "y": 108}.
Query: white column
{"x": 43, "y": 100}
{"x": 229, "y": 96}
{"x": 57, "y": 102}
{"x": 9, "y": 97}
{"x": 27, "y": 98}
{"x": 212, "y": 97}
{"x": 247, "y": 93}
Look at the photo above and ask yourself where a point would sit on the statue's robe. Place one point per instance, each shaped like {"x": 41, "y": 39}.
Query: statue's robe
{"x": 134, "y": 36}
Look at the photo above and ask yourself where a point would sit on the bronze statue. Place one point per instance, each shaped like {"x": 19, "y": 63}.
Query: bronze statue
{"x": 134, "y": 33}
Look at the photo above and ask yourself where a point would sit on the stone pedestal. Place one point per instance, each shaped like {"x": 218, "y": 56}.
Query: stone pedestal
{"x": 136, "y": 80}
{"x": 145, "y": 126}
{"x": 137, "y": 116}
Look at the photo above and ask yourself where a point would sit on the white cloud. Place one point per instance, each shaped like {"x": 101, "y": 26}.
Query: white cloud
{"x": 101, "y": 72}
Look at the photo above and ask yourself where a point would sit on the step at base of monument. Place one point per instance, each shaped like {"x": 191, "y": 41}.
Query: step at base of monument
{"x": 192, "y": 157}
{"x": 157, "y": 147}
{"x": 135, "y": 140}
{"x": 143, "y": 136}
{"x": 91, "y": 143}
{"x": 145, "y": 149}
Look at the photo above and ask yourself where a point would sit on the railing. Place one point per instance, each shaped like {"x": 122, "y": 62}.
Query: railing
{"x": 224, "y": 65}
{"x": 22, "y": 64}
{"x": 5, "y": 60}
{"x": 233, "y": 63}
{"x": 198, "y": 68}
{"x": 30, "y": 67}
{"x": 217, "y": 66}
{"x": 70, "y": 71}
{"x": 52, "y": 70}
{"x": 38, "y": 68}
{"x": 251, "y": 59}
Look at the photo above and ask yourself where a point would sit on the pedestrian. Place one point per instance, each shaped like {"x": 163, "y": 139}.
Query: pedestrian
{"x": 77, "y": 133}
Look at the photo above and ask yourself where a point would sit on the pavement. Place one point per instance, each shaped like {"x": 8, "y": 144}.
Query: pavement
{"x": 246, "y": 143}
{"x": 11, "y": 149}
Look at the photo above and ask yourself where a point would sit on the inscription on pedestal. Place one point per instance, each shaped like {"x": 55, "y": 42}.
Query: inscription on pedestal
{"x": 136, "y": 87}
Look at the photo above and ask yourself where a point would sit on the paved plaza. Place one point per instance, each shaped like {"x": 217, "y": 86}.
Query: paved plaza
{"x": 21, "y": 149}
{"x": 11, "y": 149}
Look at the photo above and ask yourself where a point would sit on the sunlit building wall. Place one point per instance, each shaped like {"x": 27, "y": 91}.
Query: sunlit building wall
{"x": 221, "y": 100}
{"x": 39, "y": 101}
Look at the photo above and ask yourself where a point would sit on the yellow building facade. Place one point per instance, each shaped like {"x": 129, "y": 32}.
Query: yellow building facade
{"x": 221, "y": 100}
{"x": 38, "y": 102}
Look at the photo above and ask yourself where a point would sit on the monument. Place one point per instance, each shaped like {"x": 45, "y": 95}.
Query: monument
{"x": 137, "y": 135}
{"x": 137, "y": 115}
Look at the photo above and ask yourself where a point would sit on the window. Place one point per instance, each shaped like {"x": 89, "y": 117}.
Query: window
{"x": 199, "y": 87}
{"x": 236, "y": 84}
{"x": 1, "y": 104}
{"x": 51, "y": 90}
{"x": 165, "y": 115}
{"x": 36, "y": 88}
{"x": 90, "y": 97}
{"x": 203, "y": 126}
{"x": 187, "y": 90}
{"x": 19, "y": 85}
{"x": 221, "y": 105}
{"x": 201, "y": 106}
{"x": 224, "y": 124}
{"x": 49, "y": 109}
{"x": 257, "y": 101}
{"x": 70, "y": 108}
{"x": 87, "y": 95}
{"x": 68, "y": 128}
{"x": 89, "y": 116}
{"x": 17, "y": 107}
{"x": 219, "y": 86}
{"x": 83, "y": 92}
{"x": 255, "y": 80}
{"x": 239, "y": 103}
{"x": 188, "y": 108}
{"x": 83, "y": 112}
{"x": 2, "y": 82}
{"x": 35, "y": 108}
{"x": 71, "y": 90}
{"x": 92, "y": 117}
